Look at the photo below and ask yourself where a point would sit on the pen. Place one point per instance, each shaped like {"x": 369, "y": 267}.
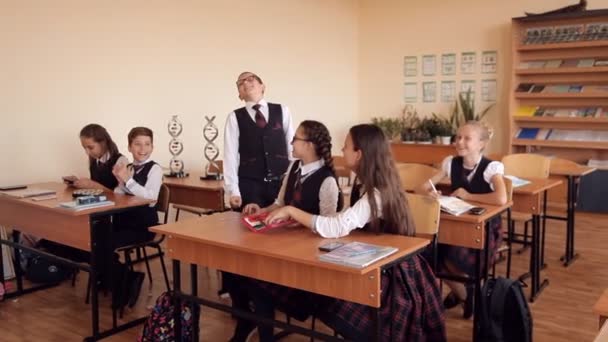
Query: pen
{"x": 433, "y": 186}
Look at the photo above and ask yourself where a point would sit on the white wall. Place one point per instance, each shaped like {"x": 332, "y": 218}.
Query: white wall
{"x": 392, "y": 29}
{"x": 65, "y": 63}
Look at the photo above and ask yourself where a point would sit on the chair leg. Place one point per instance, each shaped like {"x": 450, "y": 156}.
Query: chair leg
{"x": 314, "y": 319}
{"x": 86, "y": 300}
{"x": 526, "y": 242}
{"x": 76, "y": 271}
{"x": 510, "y": 228}
{"x": 143, "y": 249}
{"x": 176, "y": 214}
{"x": 162, "y": 264}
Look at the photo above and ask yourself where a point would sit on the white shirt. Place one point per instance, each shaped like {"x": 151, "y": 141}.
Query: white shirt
{"x": 328, "y": 192}
{"x": 231, "y": 143}
{"x": 352, "y": 218}
{"x": 495, "y": 167}
{"x": 150, "y": 190}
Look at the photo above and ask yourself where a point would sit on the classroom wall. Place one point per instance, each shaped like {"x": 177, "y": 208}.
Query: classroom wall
{"x": 66, "y": 63}
{"x": 392, "y": 29}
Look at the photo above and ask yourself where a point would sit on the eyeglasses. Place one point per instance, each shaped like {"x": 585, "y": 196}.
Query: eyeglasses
{"x": 296, "y": 139}
{"x": 249, "y": 78}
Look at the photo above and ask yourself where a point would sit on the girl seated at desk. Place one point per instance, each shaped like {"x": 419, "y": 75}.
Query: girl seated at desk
{"x": 473, "y": 178}
{"x": 378, "y": 205}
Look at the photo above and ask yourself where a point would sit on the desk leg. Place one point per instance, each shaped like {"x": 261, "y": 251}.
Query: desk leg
{"x": 543, "y": 231}
{"x": 477, "y": 294}
{"x": 537, "y": 286}
{"x": 194, "y": 289}
{"x": 177, "y": 306}
{"x": 569, "y": 256}
{"x": 18, "y": 273}
{"x": 376, "y": 313}
{"x": 95, "y": 223}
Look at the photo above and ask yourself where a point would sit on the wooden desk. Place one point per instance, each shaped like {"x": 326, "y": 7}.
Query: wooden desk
{"x": 195, "y": 192}
{"x": 601, "y": 308}
{"x": 572, "y": 176}
{"x": 74, "y": 228}
{"x": 285, "y": 256}
{"x": 430, "y": 154}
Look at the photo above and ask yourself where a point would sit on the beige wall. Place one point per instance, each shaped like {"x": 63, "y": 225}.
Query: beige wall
{"x": 64, "y": 64}
{"x": 391, "y": 29}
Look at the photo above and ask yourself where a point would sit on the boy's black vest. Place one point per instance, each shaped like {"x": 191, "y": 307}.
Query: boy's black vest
{"x": 263, "y": 151}
{"x": 477, "y": 185}
{"x": 140, "y": 217}
{"x": 305, "y": 196}
{"x": 102, "y": 172}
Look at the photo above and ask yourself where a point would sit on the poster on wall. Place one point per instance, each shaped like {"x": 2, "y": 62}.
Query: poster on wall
{"x": 448, "y": 64}
{"x": 410, "y": 92}
{"x": 410, "y": 66}
{"x": 467, "y": 63}
{"x": 429, "y": 65}
{"x": 488, "y": 90}
{"x": 429, "y": 92}
{"x": 488, "y": 62}
{"x": 448, "y": 91}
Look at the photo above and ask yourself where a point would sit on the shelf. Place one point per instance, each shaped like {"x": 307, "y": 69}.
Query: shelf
{"x": 561, "y": 71}
{"x": 598, "y": 145}
{"x": 581, "y": 95}
{"x": 572, "y": 120}
{"x": 584, "y": 44}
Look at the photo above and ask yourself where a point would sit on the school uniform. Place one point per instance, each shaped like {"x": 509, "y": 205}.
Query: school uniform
{"x": 256, "y": 154}
{"x": 475, "y": 181}
{"x": 411, "y": 306}
{"x": 101, "y": 169}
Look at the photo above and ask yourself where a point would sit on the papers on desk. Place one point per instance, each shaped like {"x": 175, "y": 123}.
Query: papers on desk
{"x": 454, "y": 205}
{"x": 75, "y": 206}
{"x": 516, "y": 181}
{"x": 28, "y": 192}
{"x": 357, "y": 254}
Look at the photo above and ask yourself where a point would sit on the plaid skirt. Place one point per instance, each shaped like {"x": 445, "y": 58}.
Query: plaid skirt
{"x": 411, "y": 308}
{"x": 464, "y": 258}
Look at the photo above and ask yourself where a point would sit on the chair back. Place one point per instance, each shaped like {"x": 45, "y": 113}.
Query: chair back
{"x": 162, "y": 203}
{"x": 559, "y": 163}
{"x": 508, "y": 188}
{"x": 425, "y": 213}
{"x": 527, "y": 165}
{"x": 414, "y": 175}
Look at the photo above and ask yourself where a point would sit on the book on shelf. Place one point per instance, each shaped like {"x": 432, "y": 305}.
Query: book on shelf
{"x": 527, "y": 133}
{"x": 600, "y": 62}
{"x": 454, "y": 205}
{"x": 575, "y": 89}
{"x": 256, "y": 223}
{"x": 28, "y": 192}
{"x": 569, "y": 63}
{"x": 596, "y": 89}
{"x": 526, "y": 111}
{"x": 516, "y": 181}
{"x": 357, "y": 254}
{"x": 553, "y": 63}
{"x": 524, "y": 87}
{"x": 578, "y": 135}
{"x": 543, "y": 133}
{"x": 598, "y": 163}
{"x": 585, "y": 63}
{"x": 76, "y": 206}
{"x": 537, "y": 88}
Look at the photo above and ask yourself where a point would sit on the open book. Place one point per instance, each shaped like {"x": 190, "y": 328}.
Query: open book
{"x": 256, "y": 224}
{"x": 516, "y": 181}
{"x": 357, "y": 254}
{"x": 454, "y": 205}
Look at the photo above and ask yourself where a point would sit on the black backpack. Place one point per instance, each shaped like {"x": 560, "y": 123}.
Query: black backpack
{"x": 504, "y": 315}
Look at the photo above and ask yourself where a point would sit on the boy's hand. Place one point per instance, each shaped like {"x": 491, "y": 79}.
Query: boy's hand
{"x": 121, "y": 173}
{"x": 235, "y": 202}
{"x": 251, "y": 208}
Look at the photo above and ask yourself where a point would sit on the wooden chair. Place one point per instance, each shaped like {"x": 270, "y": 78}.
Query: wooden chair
{"x": 414, "y": 175}
{"x": 506, "y": 246}
{"x": 525, "y": 165}
{"x": 196, "y": 210}
{"x": 425, "y": 211}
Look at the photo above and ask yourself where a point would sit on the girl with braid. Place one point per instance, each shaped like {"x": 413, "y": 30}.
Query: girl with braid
{"x": 310, "y": 185}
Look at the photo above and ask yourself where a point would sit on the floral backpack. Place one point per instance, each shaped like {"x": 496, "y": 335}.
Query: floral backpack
{"x": 159, "y": 326}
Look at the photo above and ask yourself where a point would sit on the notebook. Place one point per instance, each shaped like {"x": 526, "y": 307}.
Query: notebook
{"x": 256, "y": 224}
{"x": 516, "y": 181}
{"x": 357, "y": 254}
{"x": 454, "y": 205}
{"x": 28, "y": 192}
{"x": 73, "y": 205}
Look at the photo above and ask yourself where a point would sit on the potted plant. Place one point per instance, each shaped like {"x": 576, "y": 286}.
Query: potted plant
{"x": 390, "y": 126}
{"x": 444, "y": 129}
{"x": 409, "y": 123}
{"x": 431, "y": 127}
{"x": 464, "y": 110}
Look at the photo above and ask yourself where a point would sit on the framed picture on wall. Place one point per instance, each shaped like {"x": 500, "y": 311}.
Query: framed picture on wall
{"x": 429, "y": 65}
{"x": 410, "y": 92}
{"x": 467, "y": 63}
{"x": 429, "y": 92}
{"x": 488, "y": 62}
{"x": 448, "y": 91}
{"x": 410, "y": 66}
{"x": 448, "y": 64}
{"x": 488, "y": 90}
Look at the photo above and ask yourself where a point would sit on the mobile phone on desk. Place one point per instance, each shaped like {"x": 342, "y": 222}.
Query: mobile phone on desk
{"x": 477, "y": 211}
{"x": 69, "y": 180}
{"x": 328, "y": 247}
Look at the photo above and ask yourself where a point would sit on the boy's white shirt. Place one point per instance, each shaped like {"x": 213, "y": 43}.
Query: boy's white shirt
{"x": 150, "y": 190}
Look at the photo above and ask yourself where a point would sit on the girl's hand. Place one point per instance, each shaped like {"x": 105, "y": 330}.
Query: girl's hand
{"x": 461, "y": 193}
{"x": 280, "y": 214}
{"x": 121, "y": 173}
{"x": 252, "y": 208}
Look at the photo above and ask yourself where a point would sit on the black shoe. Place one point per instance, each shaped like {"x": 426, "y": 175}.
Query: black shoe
{"x": 451, "y": 300}
{"x": 242, "y": 331}
{"x": 135, "y": 282}
{"x": 468, "y": 303}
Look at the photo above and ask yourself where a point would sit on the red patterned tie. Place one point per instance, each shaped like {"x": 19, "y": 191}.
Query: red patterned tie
{"x": 259, "y": 117}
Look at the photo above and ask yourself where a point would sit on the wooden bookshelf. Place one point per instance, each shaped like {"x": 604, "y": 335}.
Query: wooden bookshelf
{"x": 579, "y": 151}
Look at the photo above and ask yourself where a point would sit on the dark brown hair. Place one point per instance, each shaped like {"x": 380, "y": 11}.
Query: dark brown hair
{"x": 377, "y": 171}
{"x": 101, "y": 136}
{"x": 319, "y": 136}
{"x": 137, "y": 131}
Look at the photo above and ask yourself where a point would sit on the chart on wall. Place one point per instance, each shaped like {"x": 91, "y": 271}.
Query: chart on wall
{"x": 441, "y": 78}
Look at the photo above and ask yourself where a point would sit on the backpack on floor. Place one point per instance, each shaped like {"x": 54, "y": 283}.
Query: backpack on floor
{"x": 159, "y": 326}
{"x": 504, "y": 315}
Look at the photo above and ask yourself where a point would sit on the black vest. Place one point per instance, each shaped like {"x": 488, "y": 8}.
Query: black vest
{"x": 102, "y": 172}
{"x": 355, "y": 195}
{"x": 477, "y": 185}
{"x": 306, "y": 196}
{"x": 140, "y": 217}
{"x": 262, "y": 151}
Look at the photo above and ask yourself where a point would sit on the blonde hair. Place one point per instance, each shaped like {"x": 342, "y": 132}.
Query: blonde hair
{"x": 485, "y": 131}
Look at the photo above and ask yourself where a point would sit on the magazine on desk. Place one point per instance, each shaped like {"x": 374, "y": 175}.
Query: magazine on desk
{"x": 256, "y": 224}
{"x": 357, "y": 254}
{"x": 454, "y": 205}
{"x": 516, "y": 181}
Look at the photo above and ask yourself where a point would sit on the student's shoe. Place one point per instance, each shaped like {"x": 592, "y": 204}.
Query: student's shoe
{"x": 468, "y": 303}
{"x": 135, "y": 282}
{"x": 451, "y": 300}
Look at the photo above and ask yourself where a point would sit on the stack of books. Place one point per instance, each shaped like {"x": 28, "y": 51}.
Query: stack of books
{"x": 454, "y": 205}
{"x": 87, "y": 202}
{"x": 357, "y": 254}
